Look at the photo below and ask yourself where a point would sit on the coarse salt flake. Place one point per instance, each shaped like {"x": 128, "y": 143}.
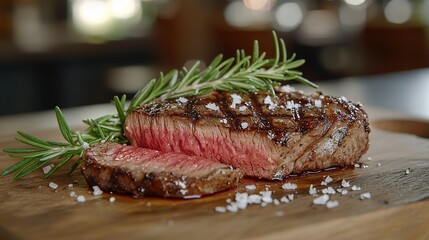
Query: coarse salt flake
{"x": 81, "y": 198}
{"x": 379, "y": 164}
{"x": 291, "y": 197}
{"x": 312, "y": 190}
{"x": 292, "y": 105}
{"x": 284, "y": 199}
{"x": 289, "y": 186}
{"x": 322, "y": 200}
{"x": 220, "y": 209}
{"x": 276, "y": 202}
{"x": 332, "y": 204}
{"x": 344, "y": 192}
{"x": 112, "y": 199}
{"x": 223, "y": 120}
{"x": 343, "y": 98}
{"x": 244, "y": 125}
{"x": 356, "y": 188}
{"x": 345, "y": 183}
{"x": 287, "y": 88}
{"x": 323, "y": 183}
{"x": 72, "y": 194}
{"x": 47, "y": 168}
{"x": 182, "y": 100}
{"x": 53, "y": 185}
{"x": 407, "y": 171}
{"x": 232, "y": 207}
{"x": 85, "y": 145}
{"x": 70, "y": 185}
{"x": 328, "y": 190}
{"x": 254, "y": 199}
{"x": 250, "y": 187}
{"x": 242, "y": 108}
{"x": 212, "y": 106}
{"x": 328, "y": 179}
{"x": 97, "y": 191}
{"x": 366, "y": 195}
{"x": 196, "y": 196}
{"x": 236, "y": 99}
{"x": 318, "y": 103}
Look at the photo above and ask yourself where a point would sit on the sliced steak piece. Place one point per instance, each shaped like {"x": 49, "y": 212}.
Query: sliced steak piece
{"x": 264, "y": 136}
{"x": 139, "y": 171}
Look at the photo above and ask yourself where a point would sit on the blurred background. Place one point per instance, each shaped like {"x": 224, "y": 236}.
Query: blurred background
{"x": 80, "y": 52}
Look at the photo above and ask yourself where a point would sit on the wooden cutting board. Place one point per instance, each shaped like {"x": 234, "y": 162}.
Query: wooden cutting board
{"x": 398, "y": 208}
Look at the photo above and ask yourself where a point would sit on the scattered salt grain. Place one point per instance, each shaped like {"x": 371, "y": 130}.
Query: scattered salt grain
{"x": 276, "y": 202}
{"x": 232, "y": 207}
{"x": 241, "y": 200}
{"x": 289, "y": 186}
{"x": 53, "y": 185}
{"x": 356, "y": 188}
{"x": 264, "y": 204}
{"x": 223, "y": 120}
{"x": 254, "y": 199}
{"x": 266, "y": 196}
{"x": 236, "y": 99}
{"x": 244, "y": 125}
{"x": 407, "y": 171}
{"x": 318, "y": 103}
{"x": 183, "y": 191}
{"x": 212, "y": 106}
{"x": 97, "y": 191}
{"x": 284, "y": 199}
{"x": 345, "y": 183}
{"x": 369, "y": 158}
{"x": 72, "y": 194}
{"x": 378, "y": 164}
{"x": 332, "y": 204}
{"x": 291, "y": 197}
{"x": 85, "y": 145}
{"x": 357, "y": 165}
{"x": 81, "y": 198}
{"x": 242, "y": 108}
{"x": 271, "y": 104}
{"x": 323, "y": 183}
{"x": 112, "y": 199}
{"x": 312, "y": 190}
{"x": 292, "y": 105}
{"x": 182, "y": 100}
{"x": 47, "y": 168}
{"x": 322, "y": 200}
{"x": 220, "y": 209}
{"x": 343, "y": 98}
{"x": 328, "y": 190}
{"x": 344, "y": 192}
{"x": 250, "y": 187}
{"x": 287, "y": 88}
{"x": 328, "y": 179}
{"x": 366, "y": 195}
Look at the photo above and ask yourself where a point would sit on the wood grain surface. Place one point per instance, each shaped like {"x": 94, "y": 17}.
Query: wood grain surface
{"x": 398, "y": 208}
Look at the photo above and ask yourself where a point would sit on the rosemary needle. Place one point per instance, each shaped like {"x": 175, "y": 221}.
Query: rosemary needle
{"x": 244, "y": 73}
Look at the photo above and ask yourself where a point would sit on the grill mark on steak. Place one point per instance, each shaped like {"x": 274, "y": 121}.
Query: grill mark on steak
{"x": 277, "y": 141}
{"x": 146, "y": 172}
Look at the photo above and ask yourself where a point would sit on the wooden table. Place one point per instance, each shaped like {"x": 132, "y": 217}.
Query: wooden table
{"x": 398, "y": 207}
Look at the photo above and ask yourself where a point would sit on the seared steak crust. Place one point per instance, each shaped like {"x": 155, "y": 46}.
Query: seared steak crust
{"x": 264, "y": 136}
{"x": 145, "y": 172}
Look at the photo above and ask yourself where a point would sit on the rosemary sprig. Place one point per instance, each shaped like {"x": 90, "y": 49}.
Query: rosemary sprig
{"x": 244, "y": 73}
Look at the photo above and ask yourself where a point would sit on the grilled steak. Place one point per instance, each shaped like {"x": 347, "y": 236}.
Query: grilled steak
{"x": 139, "y": 171}
{"x": 264, "y": 136}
